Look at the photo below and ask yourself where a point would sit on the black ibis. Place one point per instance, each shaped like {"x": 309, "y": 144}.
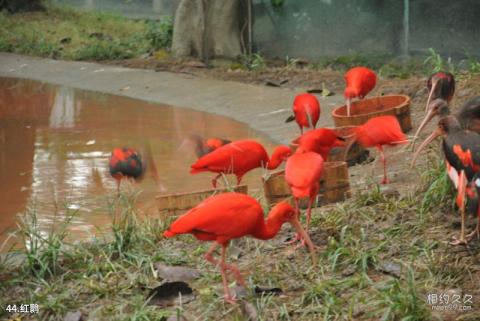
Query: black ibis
{"x": 461, "y": 148}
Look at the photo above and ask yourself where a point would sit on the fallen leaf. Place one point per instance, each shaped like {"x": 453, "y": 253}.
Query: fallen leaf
{"x": 171, "y": 293}
{"x": 274, "y": 291}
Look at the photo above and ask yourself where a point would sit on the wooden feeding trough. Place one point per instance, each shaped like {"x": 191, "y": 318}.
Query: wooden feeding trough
{"x": 180, "y": 202}
{"x": 334, "y": 186}
{"x": 363, "y": 110}
{"x": 356, "y": 154}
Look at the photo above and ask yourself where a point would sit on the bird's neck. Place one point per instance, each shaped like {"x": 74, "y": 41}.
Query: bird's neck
{"x": 273, "y": 163}
{"x": 268, "y": 229}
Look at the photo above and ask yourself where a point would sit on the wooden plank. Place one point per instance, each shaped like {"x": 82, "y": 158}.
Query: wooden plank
{"x": 179, "y": 202}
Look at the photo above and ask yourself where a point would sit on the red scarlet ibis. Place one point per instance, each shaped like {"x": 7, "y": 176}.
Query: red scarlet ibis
{"x": 238, "y": 158}
{"x": 462, "y": 156}
{"x": 320, "y": 141}
{"x": 440, "y": 85}
{"x": 359, "y": 82}
{"x": 228, "y": 216}
{"x": 126, "y": 163}
{"x": 377, "y": 132}
{"x": 306, "y": 111}
{"x": 302, "y": 173}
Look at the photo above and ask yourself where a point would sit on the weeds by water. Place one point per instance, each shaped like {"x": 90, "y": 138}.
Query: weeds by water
{"x": 110, "y": 278}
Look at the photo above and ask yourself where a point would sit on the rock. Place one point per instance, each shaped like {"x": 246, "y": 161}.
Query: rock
{"x": 391, "y": 268}
{"x": 389, "y": 191}
{"x": 249, "y": 311}
{"x": 176, "y": 273}
{"x": 73, "y": 316}
{"x": 65, "y": 40}
{"x": 349, "y": 270}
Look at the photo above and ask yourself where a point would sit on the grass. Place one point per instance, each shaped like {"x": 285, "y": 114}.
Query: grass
{"x": 110, "y": 278}
{"x": 65, "y": 33}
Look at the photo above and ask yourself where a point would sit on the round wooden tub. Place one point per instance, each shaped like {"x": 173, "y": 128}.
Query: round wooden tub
{"x": 334, "y": 186}
{"x": 363, "y": 110}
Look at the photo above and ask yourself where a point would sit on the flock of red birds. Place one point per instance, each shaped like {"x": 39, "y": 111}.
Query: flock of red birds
{"x": 228, "y": 216}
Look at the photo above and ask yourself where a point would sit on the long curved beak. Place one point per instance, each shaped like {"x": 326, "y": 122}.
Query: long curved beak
{"x": 349, "y": 103}
{"x": 437, "y": 132}
{"x": 296, "y": 224}
{"x": 434, "y": 84}
{"x": 428, "y": 117}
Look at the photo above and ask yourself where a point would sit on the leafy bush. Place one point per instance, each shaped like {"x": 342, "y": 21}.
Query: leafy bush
{"x": 160, "y": 33}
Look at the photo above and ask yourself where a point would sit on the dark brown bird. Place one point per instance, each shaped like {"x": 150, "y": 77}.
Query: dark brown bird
{"x": 468, "y": 115}
{"x": 461, "y": 148}
{"x": 126, "y": 163}
{"x": 440, "y": 85}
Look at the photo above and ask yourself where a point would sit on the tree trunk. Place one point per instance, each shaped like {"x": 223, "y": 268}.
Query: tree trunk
{"x": 208, "y": 28}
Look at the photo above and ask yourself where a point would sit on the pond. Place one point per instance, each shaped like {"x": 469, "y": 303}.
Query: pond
{"x": 55, "y": 143}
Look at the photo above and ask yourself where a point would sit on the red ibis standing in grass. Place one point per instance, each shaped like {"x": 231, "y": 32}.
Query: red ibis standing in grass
{"x": 462, "y": 156}
{"x": 377, "y": 132}
{"x": 126, "y": 163}
{"x": 440, "y": 85}
{"x": 359, "y": 82}
{"x": 229, "y": 216}
{"x": 303, "y": 172}
{"x": 238, "y": 158}
{"x": 306, "y": 111}
{"x": 320, "y": 141}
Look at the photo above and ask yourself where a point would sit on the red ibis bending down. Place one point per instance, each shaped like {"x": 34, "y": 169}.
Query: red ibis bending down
{"x": 440, "y": 85}
{"x": 126, "y": 163}
{"x": 306, "y": 111}
{"x": 462, "y": 156}
{"x": 228, "y": 216}
{"x": 238, "y": 158}
{"x": 303, "y": 172}
{"x": 377, "y": 132}
{"x": 359, "y": 82}
{"x": 320, "y": 141}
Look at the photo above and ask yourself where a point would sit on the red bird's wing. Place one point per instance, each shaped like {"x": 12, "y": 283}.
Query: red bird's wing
{"x": 303, "y": 172}
{"x": 222, "y": 217}
{"x": 236, "y": 157}
{"x": 383, "y": 130}
{"x": 362, "y": 78}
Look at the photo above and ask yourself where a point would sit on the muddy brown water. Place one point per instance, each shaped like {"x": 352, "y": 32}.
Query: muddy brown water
{"x": 54, "y": 147}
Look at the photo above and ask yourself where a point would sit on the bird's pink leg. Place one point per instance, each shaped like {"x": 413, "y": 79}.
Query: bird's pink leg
{"x": 214, "y": 181}
{"x": 384, "y": 161}
{"x": 223, "y": 267}
{"x": 118, "y": 186}
{"x": 297, "y": 236}
{"x": 208, "y": 256}
{"x": 239, "y": 180}
{"x": 461, "y": 204}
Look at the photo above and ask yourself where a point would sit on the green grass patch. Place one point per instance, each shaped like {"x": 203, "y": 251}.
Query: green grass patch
{"x": 65, "y": 33}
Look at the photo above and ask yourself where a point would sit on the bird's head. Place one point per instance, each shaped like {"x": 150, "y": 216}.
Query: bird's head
{"x": 437, "y": 107}
{"x": 279, "y": 155}
{"x": 351, "y": 92}
{"x": 440, "y": 85}
{"x": 446, "y": 125}
{"x": 282, "y": 213}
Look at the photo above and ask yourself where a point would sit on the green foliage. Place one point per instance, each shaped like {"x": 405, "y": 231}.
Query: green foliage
{"x": 160, "y": 33}
{"x": 253, "y": 62}
{"x": 44, "y": 250}
{"x": 401, "y": 301}
{"x": 436, "y": 63}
